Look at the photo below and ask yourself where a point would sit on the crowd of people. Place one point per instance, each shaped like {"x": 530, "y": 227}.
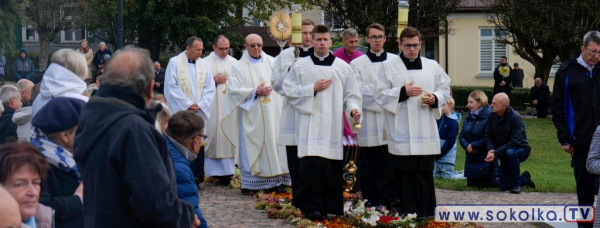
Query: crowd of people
{"x": 141, "y": 139}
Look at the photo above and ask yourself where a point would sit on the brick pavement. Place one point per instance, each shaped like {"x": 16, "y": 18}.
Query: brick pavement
{"x": 227, "y": 207}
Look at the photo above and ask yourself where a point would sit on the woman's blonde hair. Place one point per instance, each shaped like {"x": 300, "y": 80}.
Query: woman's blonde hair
{"x": 480, "y": 97}
{"x": 72, "y": 60}
{"x": 162, "y": 117}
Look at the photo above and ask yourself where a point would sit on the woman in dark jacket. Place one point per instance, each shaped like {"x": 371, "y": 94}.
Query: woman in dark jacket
{"x": 54, "y": 129}
{"x": 472, "y": 139}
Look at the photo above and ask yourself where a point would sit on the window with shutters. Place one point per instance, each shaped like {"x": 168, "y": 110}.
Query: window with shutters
{"x": 490, "y": 50}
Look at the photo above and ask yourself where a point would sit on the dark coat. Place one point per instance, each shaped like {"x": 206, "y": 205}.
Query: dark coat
{"x": 448, "y": 130}
{"x": 57, "y": 192}
{"x": 473, "y": 132}
{"x": 576, "y": 103}
{"x": 498, "y": 78}
{"x": 160, "y": 78}
{"x": 186, "y": 185}
{"x": 23, "y": 67}
{"x": 8, "y": 129}
{"x": 506, "y": 132}
{"x": 99, "y": 56}
{"x": 125, "y": 165}
{"x": 541, "y": 94}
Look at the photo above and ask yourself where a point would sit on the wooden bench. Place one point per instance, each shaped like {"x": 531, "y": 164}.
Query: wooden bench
{"x": 530, "y": 110}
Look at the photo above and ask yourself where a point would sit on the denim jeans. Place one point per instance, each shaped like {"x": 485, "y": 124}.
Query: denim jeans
{"x": 444, "y": 170}
{"x": 510, "y": 168}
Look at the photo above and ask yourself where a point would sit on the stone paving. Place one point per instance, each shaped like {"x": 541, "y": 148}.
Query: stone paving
{"x": 227, "y": 207}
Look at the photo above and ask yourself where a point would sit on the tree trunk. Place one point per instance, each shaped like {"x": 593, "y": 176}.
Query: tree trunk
{"x": 543, "y": 68}
{"x": 44, "y": 50}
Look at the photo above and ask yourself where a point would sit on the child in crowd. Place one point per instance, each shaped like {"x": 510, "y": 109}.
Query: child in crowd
{"x": 448, "y": 130}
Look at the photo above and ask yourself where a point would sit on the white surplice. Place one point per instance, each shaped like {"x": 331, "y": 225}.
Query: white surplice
{"x": 372, "y": 132}
{"x": 411, "y": 127}
{"x": 288, "y": 123}
{"x": 177, "y": 100}
{"x": 219, "y": 152}
{"x": 259, "y": 119}
{"x": 320, "y": 123}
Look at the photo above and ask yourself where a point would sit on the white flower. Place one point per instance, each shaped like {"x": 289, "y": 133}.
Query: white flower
{"x": 371, "y": 220}
{"x": 411, "y": 216}
{"x": 413, "y": 225}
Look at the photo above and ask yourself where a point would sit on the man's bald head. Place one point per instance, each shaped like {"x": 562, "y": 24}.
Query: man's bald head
{"x": 253, "y": 45}
{"x": 10, "y": 217}
{"x": 131, "y": 68}
{"x": 500, "y": 103}
{"x": 25, "y": 86}
{"x": 538, "y": 82}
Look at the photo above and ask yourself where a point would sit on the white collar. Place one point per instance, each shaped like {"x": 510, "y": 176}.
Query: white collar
{"x": 322, "y": 58}
{"x": 377, "y": 54}
{"x": 305, "y": 48}
{"x": 583, "y": 63}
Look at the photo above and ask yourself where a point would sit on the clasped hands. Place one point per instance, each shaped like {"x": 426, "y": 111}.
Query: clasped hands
{"x": 413, "y": 91}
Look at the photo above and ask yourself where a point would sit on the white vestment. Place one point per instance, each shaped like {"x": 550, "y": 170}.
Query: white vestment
{"x": 219, "y": 152}
{"x": 320, "y": 120}
{"x": 288, "y": 123}
{"x": 259, "y": 119}
{"x": 197, "y": 88}
{"x": 372, "y": 132}
{"x": 411, "y": 127}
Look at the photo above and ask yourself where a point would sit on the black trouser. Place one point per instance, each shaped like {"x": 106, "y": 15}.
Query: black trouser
{"x": 412, "y": 183}
{"x": 542, "y": 109}
{"x": 586, "y": 182}
{"x": 293, "y": 163}
{"x": 373, "y": 172}
{"x": 322, "y": 186}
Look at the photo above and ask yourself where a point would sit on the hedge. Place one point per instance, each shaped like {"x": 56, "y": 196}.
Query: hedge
{"x": 518, "y": 97}
{"x": 11, "y": 56}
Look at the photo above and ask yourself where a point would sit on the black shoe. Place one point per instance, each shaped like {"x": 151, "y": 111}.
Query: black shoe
{"x": 248, "y": 192}
{"x": 281, "y": 189}
{"x": 527, "y": 176}
{"x": 515, "y": 190}
{"x": 315, "y": 216}
{"x": 224, "y": 180}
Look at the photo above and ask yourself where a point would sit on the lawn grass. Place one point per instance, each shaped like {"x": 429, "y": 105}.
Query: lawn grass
{"x": 549, "y": 165}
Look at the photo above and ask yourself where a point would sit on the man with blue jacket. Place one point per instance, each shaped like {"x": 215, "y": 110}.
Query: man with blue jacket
{"x": 506, "y": 139}
{"x": 23, "y": 67}
{"x": 184, "y": 139}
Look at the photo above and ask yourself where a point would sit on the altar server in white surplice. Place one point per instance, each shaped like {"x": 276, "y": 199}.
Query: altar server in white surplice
{"x": 371, "y": 138}
{"x": 319, "y": 87}
{"x": 289, "y": 122}
{"x": 189, "y": 85}
{"x": 412, "y": 90}
{"x": 219, "y": 153}
{"x": 251, "y": 120}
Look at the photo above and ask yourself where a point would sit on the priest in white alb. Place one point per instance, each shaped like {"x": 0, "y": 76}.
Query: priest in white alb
{"x": 372, "y": 137}
{"x": 319, "y": 87}
{"x": 289, "y": 122}
{"x": 219, "y": 152}
{"x": 411, "y": 89}
{"x": 251, "y": 120}
{"x": 189, "y": 85}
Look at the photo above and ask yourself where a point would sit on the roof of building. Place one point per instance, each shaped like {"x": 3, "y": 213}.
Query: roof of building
{"x": 471, "y": 5}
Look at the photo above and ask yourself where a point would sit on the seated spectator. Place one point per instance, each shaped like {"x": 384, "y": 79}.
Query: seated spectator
{"x": 448, "y": 130}
{"x": 479, "y": 173}
{"x": 506, "y": 140}
{"x": 539, "y": 96}
{"x": 11, "y": 101}
{"x": 159, "y": 78}
{"x": 184, "y": 139}
{"x": 62, "y": 189}
{"x": 22, "y": 170}
{"x": 9, "y": 210}
{"x": 63, "y": 78}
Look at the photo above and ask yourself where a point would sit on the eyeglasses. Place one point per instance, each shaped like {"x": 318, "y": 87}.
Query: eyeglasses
{"x": 594, "y": 53}
{"x": 411, "y": 46}
{"x": 201, "y": 136}
{"x": 377, "y": 38}
{"x": 255, "y": 45}
{"x": 223, "y": 49}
